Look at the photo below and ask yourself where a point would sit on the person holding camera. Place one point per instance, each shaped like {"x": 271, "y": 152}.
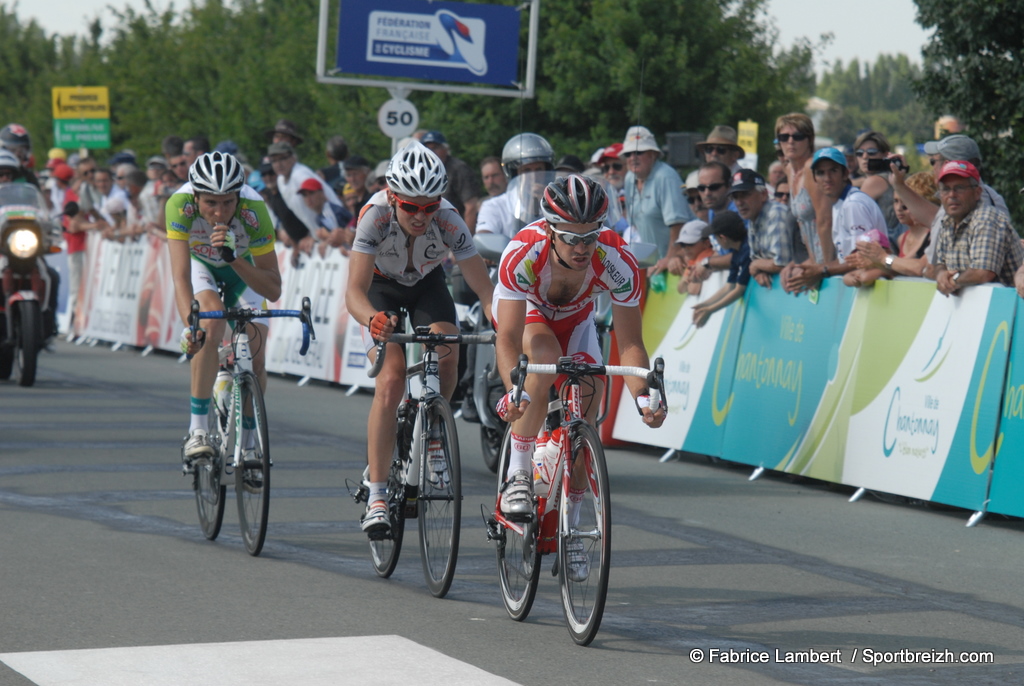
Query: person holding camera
{"x": 872, "y": 148}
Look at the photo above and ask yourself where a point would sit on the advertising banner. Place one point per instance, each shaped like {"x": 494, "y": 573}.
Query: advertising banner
{"x": 81, "y": 117}
{"x": 692, "y": 357}
{"x": 441, "y": 41}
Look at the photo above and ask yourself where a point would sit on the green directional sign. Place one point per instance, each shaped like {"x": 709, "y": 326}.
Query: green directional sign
{"x": 81, "y": 117}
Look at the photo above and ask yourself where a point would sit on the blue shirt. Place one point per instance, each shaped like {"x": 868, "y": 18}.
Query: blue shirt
{"x": 660, "y": 205}
{"x": 739, "y": 268}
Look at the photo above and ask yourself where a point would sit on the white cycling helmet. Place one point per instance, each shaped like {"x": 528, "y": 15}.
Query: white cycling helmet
{"x": 216, "y": 172}
{"x": 417, "y": 172}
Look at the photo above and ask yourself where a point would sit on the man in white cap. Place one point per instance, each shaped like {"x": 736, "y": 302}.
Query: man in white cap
{"x": 655, "y": 204}
{"x": 694, "y": 246}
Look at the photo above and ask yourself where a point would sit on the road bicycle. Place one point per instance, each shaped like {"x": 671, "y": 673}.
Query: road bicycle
{"x": 578, "y": 527}
{"x": 425, "y": 478}
{"x": 238, "y": 430}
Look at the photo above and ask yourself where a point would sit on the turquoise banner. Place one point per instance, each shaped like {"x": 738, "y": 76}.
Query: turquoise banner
{"x": 1006, "y": 495}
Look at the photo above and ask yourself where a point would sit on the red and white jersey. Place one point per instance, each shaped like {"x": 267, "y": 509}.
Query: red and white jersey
{"x": 525, "y": 273}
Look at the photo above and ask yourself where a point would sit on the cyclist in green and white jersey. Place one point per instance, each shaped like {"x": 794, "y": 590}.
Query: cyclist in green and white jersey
{"x": 219, "y": 231}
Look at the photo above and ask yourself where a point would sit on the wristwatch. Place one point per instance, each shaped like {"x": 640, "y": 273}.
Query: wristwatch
{"x": 956, "y": 277}
{"x": 706, "y": 262}
{"x": 889, "y": 259}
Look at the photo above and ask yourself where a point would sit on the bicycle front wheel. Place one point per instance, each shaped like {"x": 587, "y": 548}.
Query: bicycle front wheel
{"x": 252, "y": 477}
{"x": 440, "y": 498}
{"x": 386, "y": 549}
{"x": 518, "y": 554}
{"x": 584, "y": 538}
{"x": 206, "y": 481}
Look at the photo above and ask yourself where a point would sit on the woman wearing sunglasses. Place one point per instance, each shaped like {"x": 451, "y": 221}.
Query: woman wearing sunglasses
{"x": 794, "y": 134}
{"x": 550, "y": 275}
{"x": 402, "y": 235}
{"x": 872, "y": 145}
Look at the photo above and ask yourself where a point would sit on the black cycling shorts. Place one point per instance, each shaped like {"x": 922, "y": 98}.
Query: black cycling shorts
{"x": 426, "y": 302}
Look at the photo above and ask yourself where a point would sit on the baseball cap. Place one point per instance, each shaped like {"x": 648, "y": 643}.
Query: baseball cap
{"x": 612, "y": 151}
{"x": 692, "y": 232}
{"x": 62, "y": 171}
{"x": 746, "y": 180}
{"x": 57, "y": 154}
{"x": 960, "y": 168}
{"x": 356, "y": 162}
{"x": 955, "y": 147}
{"x": 310, "y": 186}
{"x": 280, "y": 148}
{"x": 158, "y": 161}
{"x": 381, "y": 170}
{"x": 434, "y": 137}
{"x": 692, "y": 180}
{"x": 833, "y": 154}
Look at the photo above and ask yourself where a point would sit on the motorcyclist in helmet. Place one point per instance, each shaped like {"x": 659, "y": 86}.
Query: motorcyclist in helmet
{"x": 16, "y": 139}
{"x": 523, "y": 153}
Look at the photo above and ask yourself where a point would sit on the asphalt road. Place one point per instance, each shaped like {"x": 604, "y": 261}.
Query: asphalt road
{"x": 105, "y": 577}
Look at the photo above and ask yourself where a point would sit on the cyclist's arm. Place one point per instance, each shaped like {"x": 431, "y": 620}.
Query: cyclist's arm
{"x": 475, "y": 272}
{"x": 181, "y": 273}
{"x": 508, "y": 345}
{"x": 262, "y": 276}
{"x": 360, "y": 276}
{"x": 629, "y": 334}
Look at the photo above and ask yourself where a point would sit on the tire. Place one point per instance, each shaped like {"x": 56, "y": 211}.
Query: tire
{"x": 206, "y": 482}
{"x": 490, "y": 446}
{"x": 28, "y": 333}
{"x": 440, "y": 499}
{"x": 252, "y": 478}
{"x": 583, "y": 600}
{"x": 6, "y": 353}
{"x": 385, "y": 551}
{"x": 518, "y": 556}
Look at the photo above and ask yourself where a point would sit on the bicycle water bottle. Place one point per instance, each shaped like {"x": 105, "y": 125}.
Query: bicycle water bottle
{"x": 222, "y": 391}
{"x": 545, "y": 456}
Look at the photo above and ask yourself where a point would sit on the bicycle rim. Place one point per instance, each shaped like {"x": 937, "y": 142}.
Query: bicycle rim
{"x": 252, "y": 478}
{"x": 206, "y": 482}
{"x": 584, "y": 595}
{"x": 385, "y": 551}
{"x": 440, "y": 499}
{"x": 518, "y": 556}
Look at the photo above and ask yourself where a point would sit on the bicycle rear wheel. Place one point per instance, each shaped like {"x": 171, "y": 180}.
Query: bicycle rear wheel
{"x": 252, "y": 477}
{"x": 518, "y": 555}
{"x": 386, "y": 550}
{"x": 440, "y": 497}
{"x": 206, "y": 481}
{"x": 585, "y": 545}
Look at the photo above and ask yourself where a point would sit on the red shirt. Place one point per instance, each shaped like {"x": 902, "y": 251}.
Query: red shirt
{"x": 75, "y": 241}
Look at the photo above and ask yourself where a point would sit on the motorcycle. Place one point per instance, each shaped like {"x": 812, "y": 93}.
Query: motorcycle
{"x": 26, "y": 285}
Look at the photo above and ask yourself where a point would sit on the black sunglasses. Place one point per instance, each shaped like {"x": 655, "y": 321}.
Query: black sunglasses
{"x": 779, "y": 195}
{"x": 617, "y": 166}
{"x": 784, "y": 137}
{"x": 719, "y": 149}
{"x": 711, "y": 187}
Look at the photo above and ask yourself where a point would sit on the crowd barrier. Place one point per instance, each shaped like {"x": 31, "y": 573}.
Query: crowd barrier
{"x": 893, "y": 388}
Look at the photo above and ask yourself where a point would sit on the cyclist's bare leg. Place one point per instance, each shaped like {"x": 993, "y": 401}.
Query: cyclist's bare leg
{"x": 542, "y": 347}
{"x": 388, "y": 393}
{"x": 258, "y": 345}
{"x": 204, "y": 363}
{"x": 448, "y": 364}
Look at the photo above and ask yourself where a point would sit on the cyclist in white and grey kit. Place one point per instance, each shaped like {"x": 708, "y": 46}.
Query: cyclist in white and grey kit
{"x": 403, "y": 234}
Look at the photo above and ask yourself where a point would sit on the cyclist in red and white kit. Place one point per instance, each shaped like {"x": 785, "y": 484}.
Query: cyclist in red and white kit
{"x": 550, "y": 275}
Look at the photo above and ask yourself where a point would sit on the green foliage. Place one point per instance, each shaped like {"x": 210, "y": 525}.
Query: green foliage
{"x": 974, "y": 69}
{"x": 877, "y": 96}
{"x": 230, "y": 69}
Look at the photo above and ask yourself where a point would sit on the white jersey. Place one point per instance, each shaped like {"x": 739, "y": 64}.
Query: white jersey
{"x": 378, "y": 234}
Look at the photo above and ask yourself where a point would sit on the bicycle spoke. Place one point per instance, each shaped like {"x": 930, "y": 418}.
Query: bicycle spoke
{"x": 252, "y": 476}
{"x": 440, "y": 497}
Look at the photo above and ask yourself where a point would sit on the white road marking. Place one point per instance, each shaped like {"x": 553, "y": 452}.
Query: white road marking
{"x": 382, "y": 660}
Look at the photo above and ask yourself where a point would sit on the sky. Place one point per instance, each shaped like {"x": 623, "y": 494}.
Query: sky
{"x": 861, "y": 29}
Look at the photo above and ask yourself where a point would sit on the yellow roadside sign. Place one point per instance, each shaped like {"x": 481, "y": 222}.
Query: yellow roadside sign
{"x": 746, "y": 136}
{"x": 81, "y": 102}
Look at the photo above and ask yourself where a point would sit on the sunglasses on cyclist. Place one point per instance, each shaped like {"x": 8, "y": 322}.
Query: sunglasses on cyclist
{"x": 413, "y": 208}
{"x": 868, "y": 151}
{"x": 571, "y": 238}
{"x": 784, "y": 137}
{"x": 617, "y": 166}
{"x": 710, "y": 187}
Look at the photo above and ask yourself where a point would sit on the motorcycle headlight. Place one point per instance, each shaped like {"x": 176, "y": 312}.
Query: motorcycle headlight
{"x": 23, "y": 243}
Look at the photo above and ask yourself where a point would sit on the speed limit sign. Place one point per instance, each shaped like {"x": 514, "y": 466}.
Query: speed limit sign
{"x": 398, "y": 118}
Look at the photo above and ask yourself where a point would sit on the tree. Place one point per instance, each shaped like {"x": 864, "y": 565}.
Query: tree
{"x": 974, "y": 69}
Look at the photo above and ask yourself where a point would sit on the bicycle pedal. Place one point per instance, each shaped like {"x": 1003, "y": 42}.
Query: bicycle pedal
{"x": 379, "y": 534}
{"x": 360, "y": 494}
